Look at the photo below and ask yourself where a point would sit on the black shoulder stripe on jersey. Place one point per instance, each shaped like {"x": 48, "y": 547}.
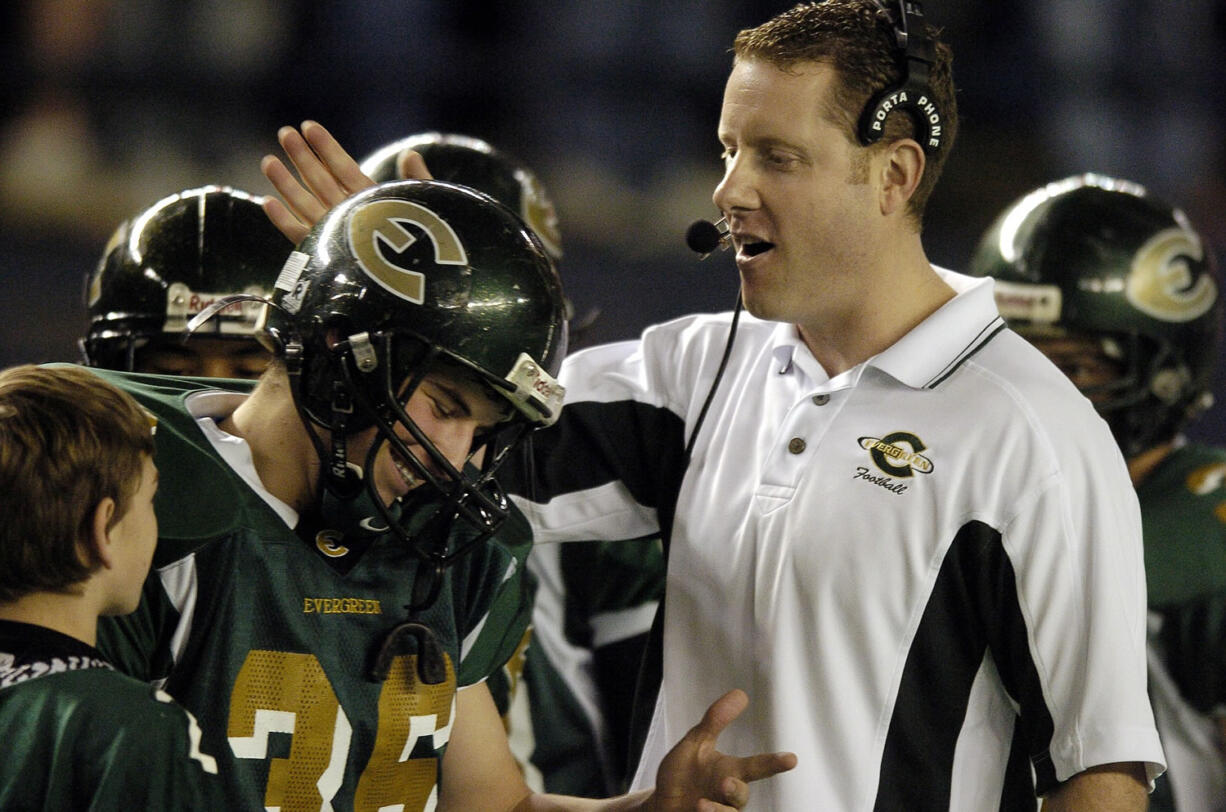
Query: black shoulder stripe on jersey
{"x": 975, "y": 345}
{"x": 1019, "y": 792}
{"x": 591, "y": 445}
{"x": 973, "y": 609}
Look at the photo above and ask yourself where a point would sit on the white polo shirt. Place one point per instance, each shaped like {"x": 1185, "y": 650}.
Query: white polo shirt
{"x": 918, "y": 569}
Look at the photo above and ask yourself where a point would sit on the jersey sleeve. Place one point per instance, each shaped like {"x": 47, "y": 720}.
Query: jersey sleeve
{"x": 1193, "y": 638}
{"x": 1183, "y": 504}
{"x": 610, "y": 589}
{"x": 152, "y": 759}
{"x": 138, "y": 644}
{"x": 610, "y": 468}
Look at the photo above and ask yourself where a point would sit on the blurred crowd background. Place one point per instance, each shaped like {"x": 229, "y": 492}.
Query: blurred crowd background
{"x": 106, "y": 106}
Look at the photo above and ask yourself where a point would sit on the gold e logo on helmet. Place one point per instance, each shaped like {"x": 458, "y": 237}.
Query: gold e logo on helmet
{"x": 382, "y": 223}
{"x": 1162, "y": 282}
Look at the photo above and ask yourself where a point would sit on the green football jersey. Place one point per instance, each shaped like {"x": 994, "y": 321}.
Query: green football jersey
{"x": 1183, "y": 513}
{"x": 79, "y": 735}
{"x": 271, "y": 644}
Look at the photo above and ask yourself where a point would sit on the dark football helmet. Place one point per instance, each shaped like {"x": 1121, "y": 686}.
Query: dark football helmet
{"x": 1095, "y": 256}
{"x": 474, "y": 163}
{"x": 163, "y": 266}
{"x": 401, "y": 279}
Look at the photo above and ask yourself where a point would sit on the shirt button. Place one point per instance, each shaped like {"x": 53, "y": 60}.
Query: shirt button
{"x": 796, "y": 445}
{"x": 821, "y": 400}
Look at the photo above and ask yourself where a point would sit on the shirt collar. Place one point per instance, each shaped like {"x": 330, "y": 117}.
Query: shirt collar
{"x": 923, "y": 356}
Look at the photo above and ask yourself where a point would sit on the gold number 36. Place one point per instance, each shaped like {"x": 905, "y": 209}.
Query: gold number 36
{"x": 285, "y": 692}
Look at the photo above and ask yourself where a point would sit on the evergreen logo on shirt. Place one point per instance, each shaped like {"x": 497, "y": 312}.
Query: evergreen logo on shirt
{"x": 897, "y": 453}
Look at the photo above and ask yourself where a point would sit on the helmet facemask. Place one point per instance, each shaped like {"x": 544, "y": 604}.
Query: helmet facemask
{"x": 370, "y": 392}
{"x": 1149, "y": 394}
{"x": 1153, "y": 397}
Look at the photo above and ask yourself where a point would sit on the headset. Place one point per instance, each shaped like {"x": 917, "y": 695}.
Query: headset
{"x": 912, "y": 94}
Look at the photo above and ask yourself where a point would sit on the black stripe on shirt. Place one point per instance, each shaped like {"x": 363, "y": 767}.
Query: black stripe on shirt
{"x": 975, "y": 345}
{"x": 593, "y": 444}
{"x": 973, "y": 609}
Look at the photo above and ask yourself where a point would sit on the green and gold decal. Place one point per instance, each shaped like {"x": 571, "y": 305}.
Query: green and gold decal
{"x": 383, "y": 224}
{"x": 1162, "y": 282}
{"x": 897, "y": 454}
{"x": 328, "y": 542}
{"x": 538, "y": 212}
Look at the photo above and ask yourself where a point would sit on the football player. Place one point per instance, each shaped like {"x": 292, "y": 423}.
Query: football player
{"x": 166, "y": 264}
{"x": 334, "y": 579}
{"x": 594, "y": 601}
{"x": 77, "y": 481}
{"x": 1118, "y": 289}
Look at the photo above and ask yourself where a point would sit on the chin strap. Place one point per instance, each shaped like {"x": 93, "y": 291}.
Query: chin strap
{"x": 342, "y": 480}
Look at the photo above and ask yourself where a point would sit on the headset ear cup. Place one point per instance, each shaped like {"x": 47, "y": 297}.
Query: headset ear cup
{"x": 912, "y": 94}
{"x": 913, "y": 99}
{"x": 872, "y": 119}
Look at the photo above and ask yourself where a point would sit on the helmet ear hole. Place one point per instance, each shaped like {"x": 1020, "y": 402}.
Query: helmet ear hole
{"x": 333, "y": 332}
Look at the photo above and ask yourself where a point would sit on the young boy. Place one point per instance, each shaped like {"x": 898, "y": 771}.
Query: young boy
{"x": 77, "y": 533}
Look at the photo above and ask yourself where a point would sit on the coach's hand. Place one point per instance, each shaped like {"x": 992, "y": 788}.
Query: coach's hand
{"x": 696, "y": 776}
{"x": 327, "y": 174}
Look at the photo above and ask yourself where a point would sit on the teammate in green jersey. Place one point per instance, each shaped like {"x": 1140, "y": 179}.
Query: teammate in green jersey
{"x": 1119, "y": 290}
{"x": 335, "y": 573}
{"x": 77, "y": 481}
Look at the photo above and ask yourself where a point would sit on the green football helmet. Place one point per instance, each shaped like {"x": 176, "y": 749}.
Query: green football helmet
{"x": 171, "y": 261}
{"x": 474, "y": 163}
{"x": 1096, "y": 256}
{"x": 392, "y": 283}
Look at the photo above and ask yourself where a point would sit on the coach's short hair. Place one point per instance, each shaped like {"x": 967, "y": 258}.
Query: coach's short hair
{"x": 857, "y": 39}
{"x": 68, "y": 439}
